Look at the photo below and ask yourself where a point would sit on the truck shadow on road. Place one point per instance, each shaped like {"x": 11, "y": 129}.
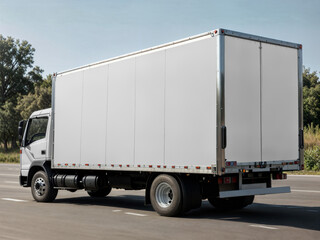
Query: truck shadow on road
{"x": 122, "y": 201}
{"x": 257, "y": 213}
{"x": 264, "y": 214}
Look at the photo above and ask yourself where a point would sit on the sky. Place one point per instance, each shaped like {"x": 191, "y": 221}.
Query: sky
{"x": 72, "y": 33}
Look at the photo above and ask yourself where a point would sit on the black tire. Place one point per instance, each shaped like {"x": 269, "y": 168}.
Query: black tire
{"x": 41, "y": 188}
{"x": 166, "y": 196}
{"x": 102, "y": 192}
{"x": 234, "y": 203}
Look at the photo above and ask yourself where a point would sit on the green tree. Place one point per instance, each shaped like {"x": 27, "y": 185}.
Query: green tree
{"x": 39, "y": 99}
{"x": 16, "y": 58}
{"x": 18, "y": 76}
{"x": 311, "y": 98}
{"x": 9, "y": 118}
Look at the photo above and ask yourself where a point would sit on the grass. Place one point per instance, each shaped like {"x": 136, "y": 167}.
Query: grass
{"x": 311, "y": 136}
{"x": 303, "y": 172}
{"x": 312, "y": 148}
{"x": 12, "y": 156}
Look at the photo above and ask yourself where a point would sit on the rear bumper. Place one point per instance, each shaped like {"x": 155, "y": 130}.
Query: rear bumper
{"x": 258, "y": 191}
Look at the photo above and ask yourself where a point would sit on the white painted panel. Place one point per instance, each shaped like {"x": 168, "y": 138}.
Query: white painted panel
{"x": 149, "y": 122}
{"x": 94, "y": 113}
{"x": 279, "y": 103}
{"x": 68, "y": 101}
{"x": 190, "y": 103}
{"x": 242, "y": 100}
{"x": 120, "y": 117}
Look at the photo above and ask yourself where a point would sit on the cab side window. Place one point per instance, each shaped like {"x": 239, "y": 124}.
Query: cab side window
{"x": 37, "y": 128}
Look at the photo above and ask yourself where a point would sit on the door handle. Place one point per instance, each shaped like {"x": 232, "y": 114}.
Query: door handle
{"x": 301, "y": 139}
{"x": 223, "y": 137}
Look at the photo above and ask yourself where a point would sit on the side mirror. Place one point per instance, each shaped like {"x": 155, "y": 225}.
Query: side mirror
{"x": 20, "y": 131}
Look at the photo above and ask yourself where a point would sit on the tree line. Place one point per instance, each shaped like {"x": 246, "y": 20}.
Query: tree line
{"x": 23, "y": 90}
{"x": 22, "y": 87}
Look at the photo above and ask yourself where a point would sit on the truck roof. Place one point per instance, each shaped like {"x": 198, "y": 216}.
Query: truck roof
{"x": 213, "y": 33}
{"x": 41, "y": 112}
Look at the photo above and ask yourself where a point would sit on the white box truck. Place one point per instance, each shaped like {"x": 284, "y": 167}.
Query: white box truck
{"x": 215, "y": 116}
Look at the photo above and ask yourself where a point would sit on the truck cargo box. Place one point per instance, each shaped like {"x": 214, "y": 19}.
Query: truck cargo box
{"x": 215, "y": 103}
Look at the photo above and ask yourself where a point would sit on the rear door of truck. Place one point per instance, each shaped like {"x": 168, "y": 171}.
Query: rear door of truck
{"x": 262, "y": 104}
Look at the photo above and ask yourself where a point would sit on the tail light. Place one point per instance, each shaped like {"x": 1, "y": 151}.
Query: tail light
{"x": 227, "y": 180}
{"x": 234, "y": 179}
{"x": 231, "y": 163}
{"x": 278, "y": 176}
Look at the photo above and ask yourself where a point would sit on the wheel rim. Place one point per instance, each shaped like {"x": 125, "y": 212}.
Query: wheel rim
{"x": 164, "y": 195}
{"x": 39, "y": 186}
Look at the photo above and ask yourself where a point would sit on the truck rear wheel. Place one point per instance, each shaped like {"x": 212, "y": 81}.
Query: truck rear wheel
{"x": 166, "y": 196}
{"x": 231, "y": 203}
{"x": 102, "y": 192}
{"x": 41, "y": 188}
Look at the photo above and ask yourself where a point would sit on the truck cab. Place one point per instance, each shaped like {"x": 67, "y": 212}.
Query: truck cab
{"x": 35, "y": 141}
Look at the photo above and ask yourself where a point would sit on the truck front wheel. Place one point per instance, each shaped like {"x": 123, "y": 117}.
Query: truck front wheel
{"x": 41, "y": 188}
{"x": 166, "y": 196}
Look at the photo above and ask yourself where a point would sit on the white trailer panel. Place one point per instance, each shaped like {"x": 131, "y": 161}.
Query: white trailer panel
{"x": 279, "y": 103}
{"x": 242, "y": 99}
{"x": 121, "y": 112}
{"x": 149, "y": 116}
{"x": 94, "y": 119}
{"x": 190, "y": 127}
{"x": 67, "y": 122}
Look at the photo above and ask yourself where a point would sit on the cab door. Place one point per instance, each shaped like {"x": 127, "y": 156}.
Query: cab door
{"x": 35, "y": 141}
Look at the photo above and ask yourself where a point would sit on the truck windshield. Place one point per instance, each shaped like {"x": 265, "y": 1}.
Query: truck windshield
{"x": 37, "y": 128}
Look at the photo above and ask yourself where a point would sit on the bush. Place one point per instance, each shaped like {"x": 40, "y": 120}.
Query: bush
{"x": 11, "y": 157}
{"x": 312, "y": 158}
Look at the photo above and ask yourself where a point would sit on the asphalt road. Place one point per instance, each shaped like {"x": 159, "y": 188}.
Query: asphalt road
{"x": 122, "y": 215}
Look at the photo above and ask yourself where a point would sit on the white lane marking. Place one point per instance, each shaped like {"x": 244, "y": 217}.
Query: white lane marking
{"x": 135, "y": 214}
{"x": 116, "y": 210}
{"x": 11, "y": 182}
{"x": 9, "y": 165}
{"x": 13, "y": 200}
{"x": 9, "y": 237}
{"x": 262, "y": 226}
{"x": 9, "y": 175}
{"x": 120, "y": 189}
{"x": 307, "y": 191}
{"x": 312, "y": 210}
{"x": 14, "y": 169}
{"x": 13, "y": 186}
